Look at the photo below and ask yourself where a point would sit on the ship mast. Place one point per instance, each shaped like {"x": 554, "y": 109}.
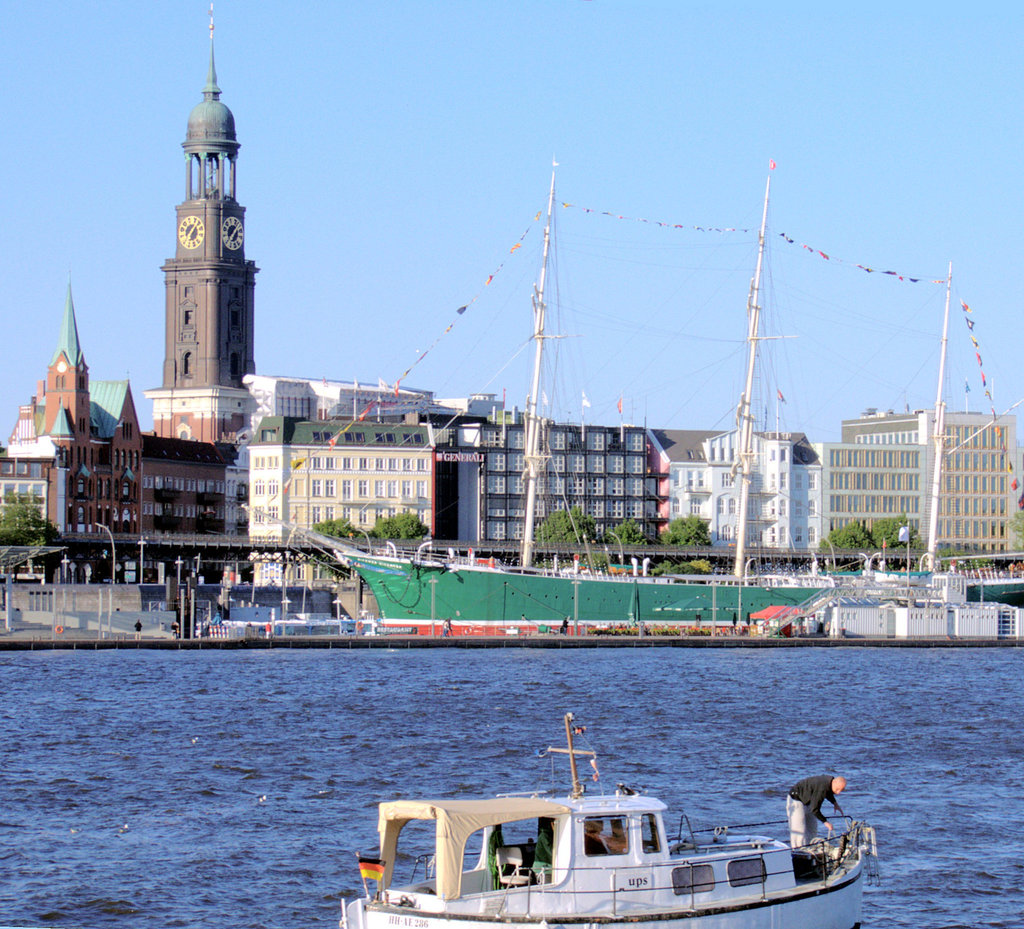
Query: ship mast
{"x": 744, "y": 419}
{"x": 938, "y": 437}
{"x": 531, "y": 421}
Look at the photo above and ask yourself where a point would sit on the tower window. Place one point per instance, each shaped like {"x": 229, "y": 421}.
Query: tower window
{"x": 186, "y": 364}
{"x": 234, "y": 364}
{"x": 187, "y": 317}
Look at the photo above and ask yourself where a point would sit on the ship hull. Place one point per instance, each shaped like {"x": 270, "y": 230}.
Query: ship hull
{"x": 478, "y": 599}
{"x": 1010, "y": 592}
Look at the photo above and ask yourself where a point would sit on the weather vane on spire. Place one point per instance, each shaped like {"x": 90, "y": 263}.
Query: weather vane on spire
{"x": 211, "y": 22}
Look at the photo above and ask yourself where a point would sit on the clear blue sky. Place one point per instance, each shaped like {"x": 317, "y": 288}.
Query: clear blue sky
{"x": 393, "y": 153}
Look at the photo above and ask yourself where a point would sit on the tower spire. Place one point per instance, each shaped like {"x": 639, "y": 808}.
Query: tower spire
{"x": 211, "y": 91}
{"x": 68, "y": 343}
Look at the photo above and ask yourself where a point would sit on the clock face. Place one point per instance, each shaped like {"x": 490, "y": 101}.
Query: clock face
{"x": 61, "y": 366}
{"x": 191, "y": 232}
{"x": 232, "y": 233}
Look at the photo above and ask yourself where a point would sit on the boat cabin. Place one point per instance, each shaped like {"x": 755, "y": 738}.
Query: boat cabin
{"x": 530, "y": 855}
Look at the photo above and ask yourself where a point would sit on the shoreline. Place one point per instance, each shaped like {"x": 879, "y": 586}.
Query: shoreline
{"x": 393, "y": 642}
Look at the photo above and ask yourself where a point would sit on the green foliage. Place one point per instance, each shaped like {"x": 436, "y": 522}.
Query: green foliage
{"x": 851, "y": 537}
{"x": 1016, "y": 527}
{"x": 857, "y": 537}
{"x": 570, "y": 527}
{"x": 689, "y": 531}
{"x": 403, "y": 526}
{"x": 627, "y": 533}
{"x": 888, "y": 530}
{"x": 21, "y": 523}
{"x": 696, "y": 566}
{"x": 338, "y": 528}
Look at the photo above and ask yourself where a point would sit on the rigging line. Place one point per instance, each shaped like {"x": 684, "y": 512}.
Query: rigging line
{"x": 462, "y": 309}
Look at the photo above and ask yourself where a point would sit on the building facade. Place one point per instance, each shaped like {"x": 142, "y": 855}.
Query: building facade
{"x": 307, "y": 472}
{"x": 884, "y": 467}
{"x": 183, "y": 486}
{"x": 606, "y": 471}
{"x": 784, "y": 503}
{"x": 209, "y": 283}
{"x": 86, "y": 435}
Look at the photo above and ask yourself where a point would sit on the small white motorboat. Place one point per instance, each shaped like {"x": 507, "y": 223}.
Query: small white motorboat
{"x": 544, "y": 863}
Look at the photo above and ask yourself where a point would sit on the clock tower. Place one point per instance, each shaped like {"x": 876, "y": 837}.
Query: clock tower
{"x": 209, "y": 288}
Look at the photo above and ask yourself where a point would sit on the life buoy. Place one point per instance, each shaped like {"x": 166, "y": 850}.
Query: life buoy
{"x": 60, "y": 630}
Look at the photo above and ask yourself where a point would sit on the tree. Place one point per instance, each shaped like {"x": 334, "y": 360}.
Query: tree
{"x": 338, "y": 528}
{"x": 689, "y": 531}
{"x": 627, "y": 533}
{"x": 403, "y": 526}
{"x": 887, "y": 530}
{"x": 21, "y": 523}
{"x": 697, "y": 566}
{"x": 1016, "y": 528}
{"x": 851, "y": 537}
{"x": 567, "y": 526}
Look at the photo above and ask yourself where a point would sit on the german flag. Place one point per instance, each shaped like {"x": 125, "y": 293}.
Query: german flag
{"x": 371, "y": 868}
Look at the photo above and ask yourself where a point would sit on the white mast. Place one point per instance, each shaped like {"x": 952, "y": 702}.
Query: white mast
{"x": 531, "y": 422}
{"x": 938, "y": 437}
{"x": 744, "y": 419}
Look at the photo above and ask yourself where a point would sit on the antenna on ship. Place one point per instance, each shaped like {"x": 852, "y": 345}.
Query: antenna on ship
{"x": 572, "y": 752}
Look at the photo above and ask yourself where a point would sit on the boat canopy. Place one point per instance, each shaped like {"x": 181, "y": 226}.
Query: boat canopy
{"x": 456, "y": 821}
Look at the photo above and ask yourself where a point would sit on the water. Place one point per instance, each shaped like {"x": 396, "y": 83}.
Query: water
{"x": 233, "y": 789}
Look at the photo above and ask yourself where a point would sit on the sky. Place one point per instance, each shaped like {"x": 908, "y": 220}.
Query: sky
{"x": 394, "y": 154}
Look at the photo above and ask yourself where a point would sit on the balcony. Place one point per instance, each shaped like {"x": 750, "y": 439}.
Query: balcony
{"x": 209, "y": 497}
{"x": 166, "y": 521}
{"x": 165, "y": 493}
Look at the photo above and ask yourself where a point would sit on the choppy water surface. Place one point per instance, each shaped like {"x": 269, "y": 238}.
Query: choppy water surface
{"x": 233, "y": 789}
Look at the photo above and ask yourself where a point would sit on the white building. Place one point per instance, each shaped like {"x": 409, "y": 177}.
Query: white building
{"x": 785, "y": 492}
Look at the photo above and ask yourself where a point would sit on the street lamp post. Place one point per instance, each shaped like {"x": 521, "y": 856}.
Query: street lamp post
{"x": 113, "y": 553}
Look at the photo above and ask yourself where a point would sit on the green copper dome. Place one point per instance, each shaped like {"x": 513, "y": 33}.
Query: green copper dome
{"x": 210, "y": 120}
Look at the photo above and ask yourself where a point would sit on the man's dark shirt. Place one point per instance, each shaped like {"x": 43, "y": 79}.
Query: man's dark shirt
{"x": 813, "y": 791}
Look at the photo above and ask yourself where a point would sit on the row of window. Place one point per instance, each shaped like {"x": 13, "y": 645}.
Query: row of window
{"x": 594, "y": 439}
{"x": 874, "y": 480}
{"x": 342, "y": 463}
{"x": 874, "y": 458}
{"x": 349, "y": 489}
{"x": 866, "y": 503}
{"x": 191, "y": 484}
{"x": 973, "y": 484}
{"x": 83, "y": 488}
{"x": 572, "y": 486}
{"x": 358, "y": 516}
{"x": 971, "y": 529}
{"x": 21, "y": 468}
{"x": 594, "y": 464}
{"x": 973, "y": 506}
{"x": 189, "y": 510}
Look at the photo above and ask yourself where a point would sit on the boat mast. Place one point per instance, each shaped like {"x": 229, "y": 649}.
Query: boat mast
{"x": 572, "y": 752}
{"x": 744, "y": 419}
{"x": 531, "y": 421}
{"x": 938, "y": 436}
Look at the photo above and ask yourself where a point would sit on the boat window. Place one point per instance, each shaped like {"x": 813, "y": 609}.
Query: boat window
{"x": 696, "y": 879}
{"x": 650, "y": 841}
{"x": 605, "y": 836}
{"x": 744, "y": 871}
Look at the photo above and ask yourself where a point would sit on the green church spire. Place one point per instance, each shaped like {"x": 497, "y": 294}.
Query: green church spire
{"x": 211, "y": 91}
{"x": 68, "y": 344}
